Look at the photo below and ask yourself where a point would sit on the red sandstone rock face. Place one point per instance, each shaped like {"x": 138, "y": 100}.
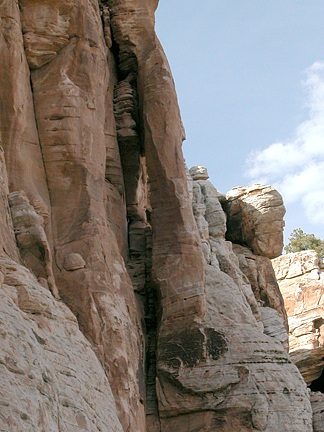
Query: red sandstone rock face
{"x": 301, "y": 280}
{"x": 50, "y": 378}
{"x": 19, "y": 136}
{"x": 71, "y": 72}
{"x": 92, "y": 137}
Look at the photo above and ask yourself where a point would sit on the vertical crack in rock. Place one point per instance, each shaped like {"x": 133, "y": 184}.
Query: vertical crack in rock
{"x": 139, "y": 261}
{"x": 177, "y": 274}
{"x": 133, "y": 163}
{"x": 105, "y": 15}
{"x": 72, "y": 71}
{"x": 152, "y": 318}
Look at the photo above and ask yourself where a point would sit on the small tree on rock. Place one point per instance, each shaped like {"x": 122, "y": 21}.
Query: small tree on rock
{"x": 299, "y": 241}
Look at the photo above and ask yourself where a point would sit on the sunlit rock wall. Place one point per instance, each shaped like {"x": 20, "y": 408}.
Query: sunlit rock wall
{"x": 301, "y": 280}
{"x": 179, "y": 335}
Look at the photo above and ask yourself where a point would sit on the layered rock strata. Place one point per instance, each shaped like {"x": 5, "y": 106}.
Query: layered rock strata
{"x": 255, "y": 219}
{"x": 50, "y": 378}
{"x": 92, "y": 137}
{"x": 301, "y": 280}
{"x": 317, "y": 401}
{"x": 255, "y": 226}
{"x": 236, "y": 365}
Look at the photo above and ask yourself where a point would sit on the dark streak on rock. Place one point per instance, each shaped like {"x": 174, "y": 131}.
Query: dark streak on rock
{"x": 184, "y": 347}
{"x": 216, "y": 344}
{"x": 39, "y": 339}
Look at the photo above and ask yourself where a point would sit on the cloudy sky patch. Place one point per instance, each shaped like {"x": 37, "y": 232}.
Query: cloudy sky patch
{"x": 296, "y": 167}
{"x": 237, "y": 69}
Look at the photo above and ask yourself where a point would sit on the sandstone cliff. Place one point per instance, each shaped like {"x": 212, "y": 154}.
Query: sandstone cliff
{"x": 168, "y": 280}
{"x": 301, "y": 280}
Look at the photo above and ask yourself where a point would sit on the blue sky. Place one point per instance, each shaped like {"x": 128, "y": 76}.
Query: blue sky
{"x": 250, "y": 83}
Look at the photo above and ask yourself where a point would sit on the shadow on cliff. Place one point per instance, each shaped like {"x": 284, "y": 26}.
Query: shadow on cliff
{"x": 318, "y": 384}
{"x": 310, "y": 363}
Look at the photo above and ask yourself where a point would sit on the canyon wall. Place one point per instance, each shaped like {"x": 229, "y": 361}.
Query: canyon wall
{"x": 301, "y": 280}
{"x": 135, "y": 297}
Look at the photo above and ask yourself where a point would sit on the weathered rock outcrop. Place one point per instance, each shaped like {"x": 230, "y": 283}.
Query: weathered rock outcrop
{"x": 301, "y": 280}
{"x": 255, "y": 219}
{"x": 19, "y": 135}
{"x": 236, "y": 365}
{"x": 72, "y": 89}
{"x": 255, "y": 226}
{"x": 187, "y": 334}
{"x": 317, "y": 401}
{"x": 259, "y": 272}
{"x": 50, "y": 378}
{"x": 31, "y": 239}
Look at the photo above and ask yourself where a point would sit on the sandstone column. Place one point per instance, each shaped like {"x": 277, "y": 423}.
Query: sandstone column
{"x": 19, "y": 136}
{"x": 71, "y": 81}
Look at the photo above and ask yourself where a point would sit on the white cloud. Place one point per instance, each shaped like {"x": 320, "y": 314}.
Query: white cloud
{"x": 296, "y": 168}
{"x": 313, "y": 203}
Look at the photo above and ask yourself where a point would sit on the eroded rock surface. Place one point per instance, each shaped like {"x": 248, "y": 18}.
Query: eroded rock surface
{"x": 50, "y": 378}
{"x": 32, "y": 240}
{"x": 259, "y": 272}
{"x": 317, "y": 401}
{"x": 255, "y": 219}
{"x": 19, "y": 136}
{"x": 301, "y": 280}
{"x": 92, "y": 136}
{"x": 229, "y": 376}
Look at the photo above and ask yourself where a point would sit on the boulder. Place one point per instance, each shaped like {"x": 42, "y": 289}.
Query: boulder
{"x": 255, "y": 219}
